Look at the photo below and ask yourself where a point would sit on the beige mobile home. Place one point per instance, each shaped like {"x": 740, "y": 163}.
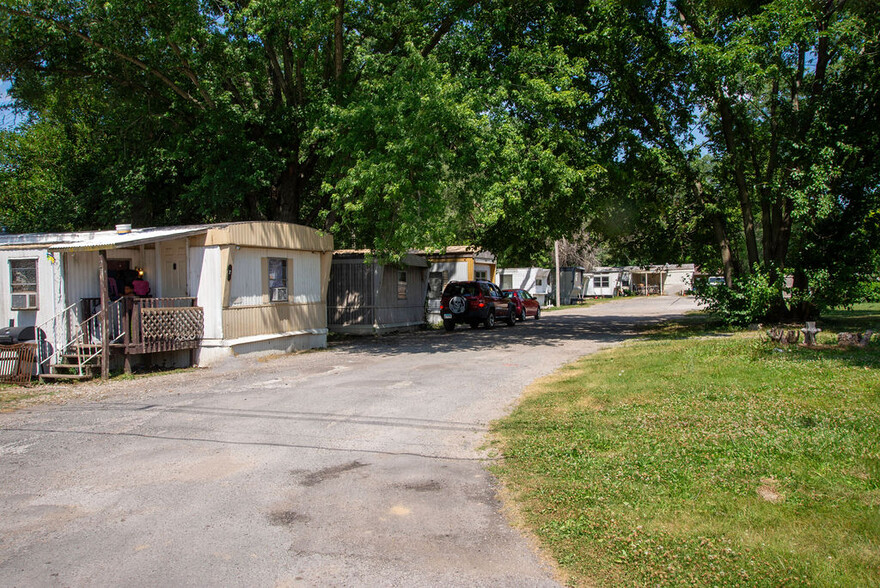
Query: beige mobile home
{"x": 169, "y": 295}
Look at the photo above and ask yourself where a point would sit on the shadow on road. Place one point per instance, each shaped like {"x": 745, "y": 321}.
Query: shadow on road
{"x": 552, "y": 330}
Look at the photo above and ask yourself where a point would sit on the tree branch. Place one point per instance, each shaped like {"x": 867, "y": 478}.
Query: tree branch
{"x": 188, "y": 72}
{"x": 97, "y": 44}
{"x": 446, "y": 26}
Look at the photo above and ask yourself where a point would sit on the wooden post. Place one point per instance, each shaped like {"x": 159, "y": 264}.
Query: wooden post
{"x": 126, "y": 340}
{"x": 558, "y": 285}
{"x": 105, "y": 305}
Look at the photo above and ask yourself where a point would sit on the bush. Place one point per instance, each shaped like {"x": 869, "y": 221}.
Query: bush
{"x": 763, "y": 296}
{"x": 750, "y": 299}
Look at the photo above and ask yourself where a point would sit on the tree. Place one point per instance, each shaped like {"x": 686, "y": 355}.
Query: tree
{"x": 325, "y": 113}
{"x": 745, "y": 116}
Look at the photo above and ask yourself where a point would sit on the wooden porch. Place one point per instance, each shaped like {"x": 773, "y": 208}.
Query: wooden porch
{"x": 149, "y": 325}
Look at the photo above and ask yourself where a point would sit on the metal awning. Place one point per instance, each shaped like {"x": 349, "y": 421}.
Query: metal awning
{"x": 135, "y": 238}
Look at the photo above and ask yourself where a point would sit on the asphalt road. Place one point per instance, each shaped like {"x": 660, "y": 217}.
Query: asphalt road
{"x": 360, "y": 465}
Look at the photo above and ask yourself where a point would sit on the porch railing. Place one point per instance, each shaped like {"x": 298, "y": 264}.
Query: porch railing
{"x": 66, "y": 337}
{"x": 163, "y": 324}
{"x": 54, "y": 336}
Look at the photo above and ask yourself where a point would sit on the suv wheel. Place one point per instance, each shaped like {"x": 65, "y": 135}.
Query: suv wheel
{"x": 449, "y": 325}
{"x": 538, "y": 313}
{"x": 511, "y": 315}
{"x": 490, "y": 320}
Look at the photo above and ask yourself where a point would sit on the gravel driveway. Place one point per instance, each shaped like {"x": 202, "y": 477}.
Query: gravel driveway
{"x": 358, "y": 465}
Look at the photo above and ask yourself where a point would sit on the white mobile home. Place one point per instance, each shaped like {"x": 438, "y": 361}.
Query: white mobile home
{"x": 606, "y": 282}
{"x": 203, "y": 290}
{"x": 534, "y": 280}
{"x": 667, "y": 279}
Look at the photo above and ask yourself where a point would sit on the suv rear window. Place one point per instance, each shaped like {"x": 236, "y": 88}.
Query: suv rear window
{"x": 461, "y": 290}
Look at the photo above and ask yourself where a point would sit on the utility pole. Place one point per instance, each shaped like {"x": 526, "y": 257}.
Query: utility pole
{"x": 556, "y": 289}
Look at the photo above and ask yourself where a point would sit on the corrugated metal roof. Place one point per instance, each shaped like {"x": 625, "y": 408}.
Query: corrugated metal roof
{"x": 114, "y": 240}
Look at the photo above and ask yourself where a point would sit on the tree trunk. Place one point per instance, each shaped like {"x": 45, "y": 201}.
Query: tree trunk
{"x": 337, "y": 39}
{"x": 742, "y": 186}
{"x": 287, "y": 194}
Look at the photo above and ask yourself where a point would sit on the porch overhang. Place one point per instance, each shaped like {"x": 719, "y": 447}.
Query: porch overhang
{"x": 135, "y": 238}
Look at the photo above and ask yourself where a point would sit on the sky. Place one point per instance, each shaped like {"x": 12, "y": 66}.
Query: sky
{"x": 8, "y": 120}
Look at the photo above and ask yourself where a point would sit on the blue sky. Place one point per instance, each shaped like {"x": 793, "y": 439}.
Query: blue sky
{"x": 7, "y": 119}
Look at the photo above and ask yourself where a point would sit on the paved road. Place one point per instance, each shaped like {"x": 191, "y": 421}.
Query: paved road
{"x": 359, "y": 465}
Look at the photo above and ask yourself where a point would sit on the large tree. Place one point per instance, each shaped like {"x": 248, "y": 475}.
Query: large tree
{"x": 749, "y": 122}
{"x": 740, "y": 134}
{"x": 324, "y": 112}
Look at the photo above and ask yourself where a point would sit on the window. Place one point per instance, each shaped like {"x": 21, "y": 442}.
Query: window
{"x": 401, "y": 285}
{"x": 539, "y": 282}
{"x": 507, "y": 281}
{"x": 457, "y": 289}
{"x": 600, "y": 282}
{"x": 277, "y": 279}
{"x": 23, "y": 282}
{"x": 481, "y": 275}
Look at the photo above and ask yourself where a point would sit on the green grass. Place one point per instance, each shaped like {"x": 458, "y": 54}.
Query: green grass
{"x": 699, "y": 459}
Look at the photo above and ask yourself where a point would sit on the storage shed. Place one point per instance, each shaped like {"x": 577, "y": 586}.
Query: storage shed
{"x": 571, "y": 285}
{"x": 367, "y": 297}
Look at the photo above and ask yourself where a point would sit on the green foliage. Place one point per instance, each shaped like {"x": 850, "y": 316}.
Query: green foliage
{"x": 199, "y": 112}
{"x": 750, "y": 299}
{"x": 731, "y": 134}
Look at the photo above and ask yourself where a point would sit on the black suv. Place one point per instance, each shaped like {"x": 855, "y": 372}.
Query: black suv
{"x": 474, "y": 303}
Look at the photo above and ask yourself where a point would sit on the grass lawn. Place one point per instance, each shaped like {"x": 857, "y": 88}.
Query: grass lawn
{"x": 694, "y": 459}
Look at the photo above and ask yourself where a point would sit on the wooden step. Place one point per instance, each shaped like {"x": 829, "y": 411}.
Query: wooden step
{"x": 72, "y": 357}
{"x": 44, "y": 377}
{"x": 72, "y": 366}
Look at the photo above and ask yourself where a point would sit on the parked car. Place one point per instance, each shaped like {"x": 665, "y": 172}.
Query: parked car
{"x": 526, "y": 304}
{"x": 474, "y": 303}
{"x": 717, "y": 281}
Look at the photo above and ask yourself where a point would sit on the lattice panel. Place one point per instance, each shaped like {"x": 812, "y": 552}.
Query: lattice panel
{"x": 172, "y": 324}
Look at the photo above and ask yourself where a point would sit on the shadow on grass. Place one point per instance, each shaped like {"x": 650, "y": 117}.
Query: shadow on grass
{"x": 860, "y": 318}
{"x": 697, "y": 324}
{"x": 866, "y": 357}
{"x": 854, "y": 320}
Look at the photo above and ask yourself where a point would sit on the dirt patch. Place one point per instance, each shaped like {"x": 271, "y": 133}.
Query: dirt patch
{"x": 769, "y": 491}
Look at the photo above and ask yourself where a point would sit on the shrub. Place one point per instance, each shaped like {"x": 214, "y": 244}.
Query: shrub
{"x": 750, "y": 299}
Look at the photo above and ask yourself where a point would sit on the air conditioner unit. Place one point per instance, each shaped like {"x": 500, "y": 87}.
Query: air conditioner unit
{"x": 27, "y": 301}
{"x": 278, "y": 295}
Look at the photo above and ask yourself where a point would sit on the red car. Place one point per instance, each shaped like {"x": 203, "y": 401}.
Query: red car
{"x": 474, "y": 303}
{"x": 526, "y": 304}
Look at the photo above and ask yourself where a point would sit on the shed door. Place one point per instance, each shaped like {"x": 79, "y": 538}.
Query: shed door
{"x": 173, "y": 269}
